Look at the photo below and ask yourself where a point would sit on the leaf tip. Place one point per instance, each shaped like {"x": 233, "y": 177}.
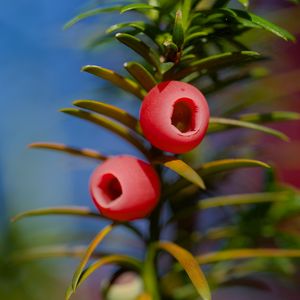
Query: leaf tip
{"x": 201, "y": 184}
{"x": 265, "y": 165}
{"x": 179, "y": 14}
{"x": 69, "y": 292}
{"x": 65, "y": 110}
{"x": 284, "y": 137}
{"x": 250, "y": 53}
{"x": 77, "y": 102}
{"x": 86, "y": 68}
{"x": 68, "y": 25}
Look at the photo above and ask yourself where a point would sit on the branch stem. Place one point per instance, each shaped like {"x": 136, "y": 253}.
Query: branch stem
{"x": 149, "y": 273}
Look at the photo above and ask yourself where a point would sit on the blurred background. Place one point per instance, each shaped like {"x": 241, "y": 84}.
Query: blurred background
{"x": 40, "y": 73}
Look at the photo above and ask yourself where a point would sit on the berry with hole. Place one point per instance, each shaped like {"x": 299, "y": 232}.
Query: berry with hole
{"x": 174, "y": 116}
{"x": 125, "y": 188}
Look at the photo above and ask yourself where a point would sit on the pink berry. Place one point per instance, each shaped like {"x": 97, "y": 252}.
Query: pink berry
{"x": 125, "y": 188}
{"x": 174, "y": 116}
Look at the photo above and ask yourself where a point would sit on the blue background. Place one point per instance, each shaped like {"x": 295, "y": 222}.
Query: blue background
{"x": 39, "y": 74}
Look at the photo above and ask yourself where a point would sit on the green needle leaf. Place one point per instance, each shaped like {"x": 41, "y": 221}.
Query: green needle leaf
{"x": 251, "y": 20}
{"x": 190, "y": 265}
{"x": 88, "y": 153}
{"x": 69, "y": 292}
{"x": 110, "y": 111}
{"x": 122, "y": 82}
{"x": 70, "y": 211}
{"x": 97, "y": 119}
{"x": 196, "y": 35}
{"x": 221, "y": 124}
{"x": 140, "y": 48}
{"x": 65, "y": 210}
{"x": 225, "y": 59}
{"x": 93, "y": 245}
{"x": 245, "y": 254}
{"x": 186, "y": 8}
{"x": 178, "y": 31}
{"x": 141, "y": 75}
{"x": 216, "y": 166}
{"x": 230, "y": 200}
{"x": 243, "y": 199}
{"x": 120, "y": 260}
{"x": 229, "y": 164}
{"x": 137, "y": 25}
{"x": 273, "y": 116}
{"x": 90, "y": 13}
{"x": 212, "y": 63}
{"x": 136, "y": 6}
{"x": 184, "y": 170}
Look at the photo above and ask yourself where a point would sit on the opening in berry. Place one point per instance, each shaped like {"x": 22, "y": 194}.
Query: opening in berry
{"x": 110, "y": 187}
{"x": 183, "y": 115}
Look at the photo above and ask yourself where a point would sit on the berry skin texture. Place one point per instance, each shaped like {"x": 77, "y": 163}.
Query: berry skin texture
{"x": 125, "y": 188}
{"x": 174, "y": 116}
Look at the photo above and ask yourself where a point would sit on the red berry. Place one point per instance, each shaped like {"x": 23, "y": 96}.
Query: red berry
{"x": 174, "y": 116}
{"x": 125, "y": 188}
